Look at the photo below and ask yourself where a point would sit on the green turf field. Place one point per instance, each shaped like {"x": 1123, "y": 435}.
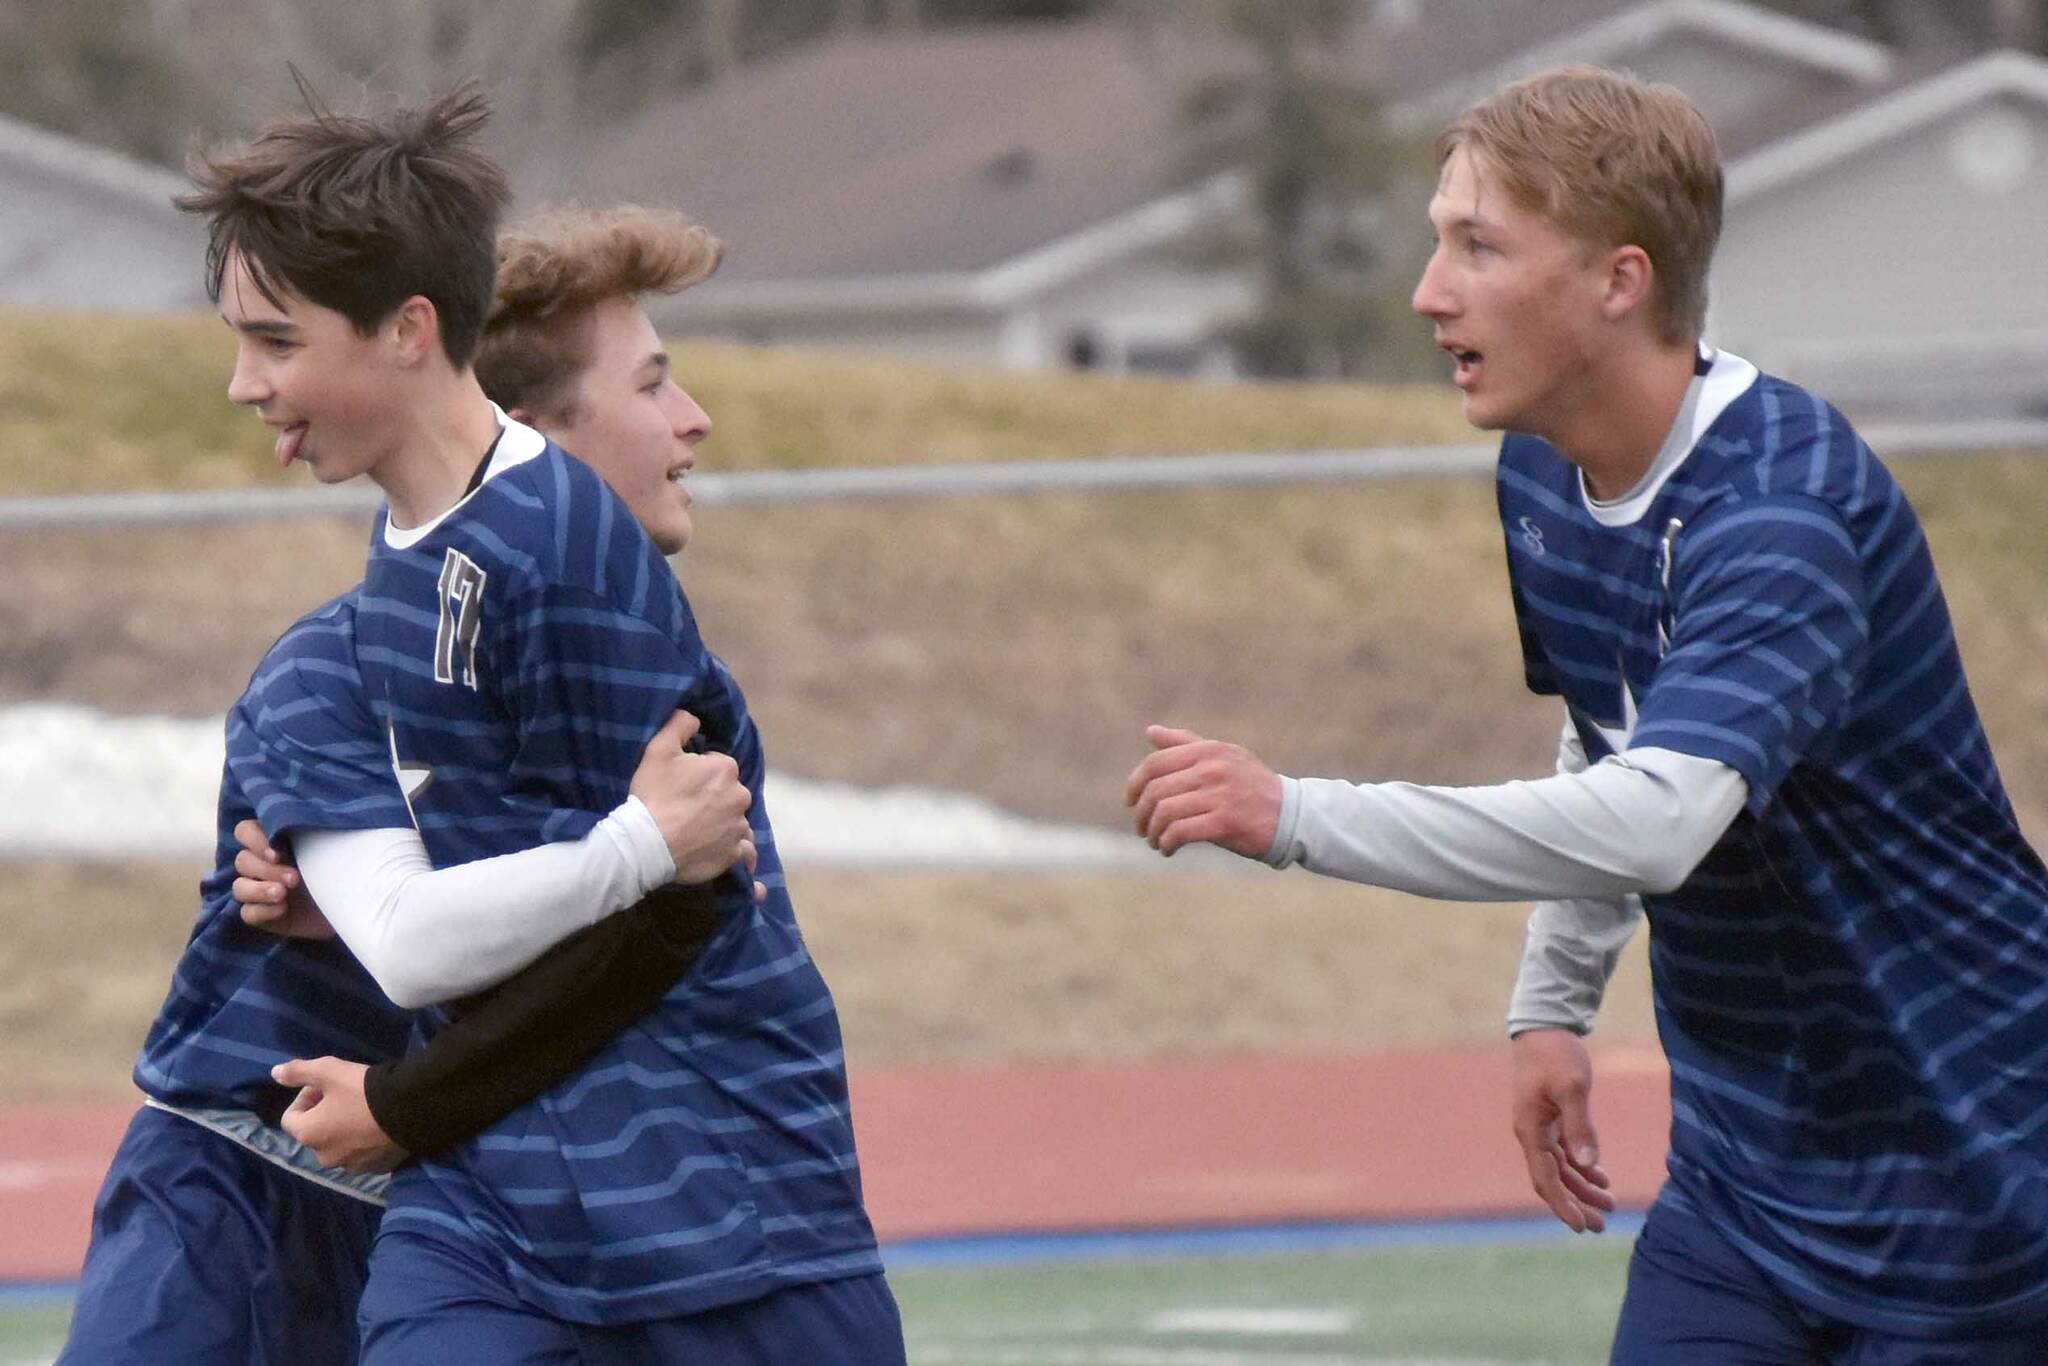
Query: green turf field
{"x": 1493, "y": 1305}
{"x": 1461, "y": 1306}
{"x": 31, "y": 1333}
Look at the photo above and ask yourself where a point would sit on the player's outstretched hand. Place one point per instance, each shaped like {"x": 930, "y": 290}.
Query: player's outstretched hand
{"x": 697, "y": 800}
{"x": 270, "y": 892}
{"x": 1554, "y": 1124}
{"x": 1193, "y": 790}
{"x": 331, "y": 1116}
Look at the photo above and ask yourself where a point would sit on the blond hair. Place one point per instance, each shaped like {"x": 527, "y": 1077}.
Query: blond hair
{"x": 1614, "y": 161}
{"x": 553, "y": 268}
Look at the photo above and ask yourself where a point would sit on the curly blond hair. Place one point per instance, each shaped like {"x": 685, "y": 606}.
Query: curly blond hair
{"x": 557, "y": 265}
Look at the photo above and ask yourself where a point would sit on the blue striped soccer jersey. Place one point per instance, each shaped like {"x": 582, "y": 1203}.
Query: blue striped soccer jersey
{"x": 302, "y": 749}
{"x": 1852, "y": 988}
{"x": 197, "y": 1203}
{"x": 521, "y": 649}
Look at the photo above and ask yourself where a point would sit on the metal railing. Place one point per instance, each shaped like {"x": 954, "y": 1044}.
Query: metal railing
{"x": 869, "y": 483}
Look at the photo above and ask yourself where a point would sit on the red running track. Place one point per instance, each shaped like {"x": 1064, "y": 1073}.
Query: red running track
{"x": 1062, "y": 1148}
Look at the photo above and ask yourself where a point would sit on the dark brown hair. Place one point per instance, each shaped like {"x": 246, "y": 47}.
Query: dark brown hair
{"x": 1614, "y": 161}
{"x": 359, "y": 214}
{"x": 557, "y": 265}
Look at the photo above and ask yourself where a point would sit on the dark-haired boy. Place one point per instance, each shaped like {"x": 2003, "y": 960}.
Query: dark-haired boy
{"x": 519, "y": 637}
{"x": 216, "y": 1236}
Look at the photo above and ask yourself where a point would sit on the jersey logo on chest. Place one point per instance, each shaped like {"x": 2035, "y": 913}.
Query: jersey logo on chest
{"x": 413, "y": 779}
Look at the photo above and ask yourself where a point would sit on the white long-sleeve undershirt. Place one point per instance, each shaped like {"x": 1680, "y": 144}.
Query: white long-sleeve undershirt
{"x": 428, "y": 935}
{"x": 1634, "y": 822}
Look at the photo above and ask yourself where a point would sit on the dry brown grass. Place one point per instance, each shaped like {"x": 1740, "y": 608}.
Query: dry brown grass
{"x": 1983, "y": 517}
{"x": 1016, "y": 647}
{"x": 928, "y": 969}
{"x": 83, "y": 967}
{"x": 965, "y": 968}
{"x": 167, "y": 621}
{"x": 91, "y": 402}
{"x": 1013, "y": 647}
{"x": 794, "y": 408}
{"x": 94, "y": 403}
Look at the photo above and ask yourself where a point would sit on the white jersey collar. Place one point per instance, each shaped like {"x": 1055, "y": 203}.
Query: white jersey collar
{"x": 517, "y": 443}
{"x": 1726, "y": 378}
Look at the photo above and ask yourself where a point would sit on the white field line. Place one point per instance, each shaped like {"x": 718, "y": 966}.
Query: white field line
{"x": 1142, "y": 1355}
{"x": 1254, "y": 1322}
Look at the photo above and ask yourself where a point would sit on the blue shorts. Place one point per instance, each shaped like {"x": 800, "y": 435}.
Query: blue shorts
{"x": 1694, "y": 1300}
{"x": 204, "y": 1252}
{"x": 429, "y": 1302}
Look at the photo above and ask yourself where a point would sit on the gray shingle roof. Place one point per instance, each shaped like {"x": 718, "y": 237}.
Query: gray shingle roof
{"x": 948, "y": 152}
{"x": 918, "y": 153}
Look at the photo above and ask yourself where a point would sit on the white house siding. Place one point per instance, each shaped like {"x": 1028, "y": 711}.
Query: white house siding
{"x": 967, "y": 339}
{"x": 76, "y": 246}
{"x": 1909, "y": 275}
{"x": 1148, "y": 313}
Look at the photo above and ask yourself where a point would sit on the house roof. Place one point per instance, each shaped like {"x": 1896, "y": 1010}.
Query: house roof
{"x": 927, "y": 153}
{"x": 1904, "y": 107}
{"x": 84, "y": 227}
{"x": 1408, "y": 51}
{"x": 967, "y": 167}
{"x": 916, "y": 153}
{"x": 69, "y": 159}
{"x": 1610, "y": 39}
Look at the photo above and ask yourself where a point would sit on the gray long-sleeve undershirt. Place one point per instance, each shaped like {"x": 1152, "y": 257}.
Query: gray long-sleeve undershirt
{"x": 1582, "y": 844}
{"x": 1572, "y": 946}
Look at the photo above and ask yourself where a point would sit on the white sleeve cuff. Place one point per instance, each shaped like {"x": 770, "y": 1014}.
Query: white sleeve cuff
{"x": 632, "y": 824}
{"x": 1285, "y": 850}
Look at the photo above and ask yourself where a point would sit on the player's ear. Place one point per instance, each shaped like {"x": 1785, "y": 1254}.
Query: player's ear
{"x": 416, "y": 329}
{"x": 1630, "y": 279}
{"x": 523, "y": 415}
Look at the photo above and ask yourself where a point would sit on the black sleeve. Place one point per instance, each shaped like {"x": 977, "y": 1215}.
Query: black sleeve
{"x": 513, "y": 1041}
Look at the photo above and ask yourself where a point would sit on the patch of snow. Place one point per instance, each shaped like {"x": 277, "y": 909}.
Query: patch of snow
{"x": 83, "y": 783}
